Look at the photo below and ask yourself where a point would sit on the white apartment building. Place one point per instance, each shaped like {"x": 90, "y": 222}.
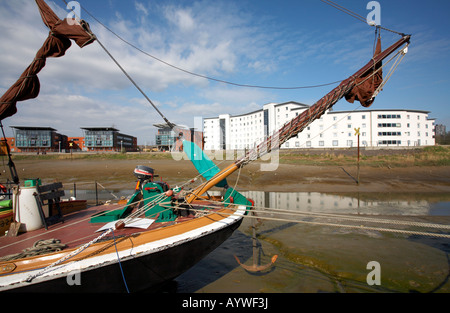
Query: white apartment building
{"x": 377, "y": 128}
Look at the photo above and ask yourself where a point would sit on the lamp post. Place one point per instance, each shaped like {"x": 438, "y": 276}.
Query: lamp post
{"x": 357, "y": 173}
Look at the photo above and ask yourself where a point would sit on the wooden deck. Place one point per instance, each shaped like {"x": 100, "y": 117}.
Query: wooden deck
{"x": 76, "y": 229}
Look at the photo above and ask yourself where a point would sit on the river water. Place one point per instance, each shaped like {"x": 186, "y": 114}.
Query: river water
{"x": 316, "y": 258}
{"x": 317, "y": 255}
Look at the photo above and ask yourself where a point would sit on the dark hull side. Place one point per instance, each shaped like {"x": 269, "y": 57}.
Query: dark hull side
{"x": 141, "y": 273}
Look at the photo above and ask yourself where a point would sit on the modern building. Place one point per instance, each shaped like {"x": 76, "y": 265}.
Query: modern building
{"x": 107, "y": 139}
{"x": 377, "y": 128}
{"x": 38, "y": 139}
{"x": 169, "y": 140}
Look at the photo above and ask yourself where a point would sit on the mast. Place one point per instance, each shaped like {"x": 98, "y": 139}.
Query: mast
{"x": 297, "y": 124}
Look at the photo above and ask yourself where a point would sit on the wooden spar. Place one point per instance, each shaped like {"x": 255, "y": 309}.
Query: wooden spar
{"x": 297, "y": 124}
{"x": 212, "y": 182}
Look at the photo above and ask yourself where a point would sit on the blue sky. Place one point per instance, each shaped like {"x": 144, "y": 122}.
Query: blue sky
{"x": 258, "y": 42}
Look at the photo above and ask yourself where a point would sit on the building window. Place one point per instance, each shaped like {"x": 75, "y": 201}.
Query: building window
{"x": 382, "y": 116}
{"x": 389, "y": 133}
{"x": 335, "y": 143}
{"x": 389, "y": 142}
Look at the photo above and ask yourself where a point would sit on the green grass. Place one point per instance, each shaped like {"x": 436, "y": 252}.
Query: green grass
{"x": 95, "y": 156}
{"x": 428, "y": 156}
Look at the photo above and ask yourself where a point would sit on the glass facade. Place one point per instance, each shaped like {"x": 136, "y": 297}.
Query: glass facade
{"x": 33, "y": 138}
{"x": 165, "y": 137}
{"x": 99, "y": 138}
{"x": 46, "y": 139}
{"x": 108, "y": 139}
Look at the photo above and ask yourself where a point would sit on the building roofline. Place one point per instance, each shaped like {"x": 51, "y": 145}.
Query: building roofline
{"x": 302, "y": 105}
{"x": 293, "y": 102}
{"x": 380, "y": 110}
{"x": 100, "y": 128}
{"x": 33, "y": 128}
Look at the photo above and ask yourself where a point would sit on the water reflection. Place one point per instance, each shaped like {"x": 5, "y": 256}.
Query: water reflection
{"x": 100, "y": 194}
{"x": 332, "y": 203}
{"x": 313, "y": 202}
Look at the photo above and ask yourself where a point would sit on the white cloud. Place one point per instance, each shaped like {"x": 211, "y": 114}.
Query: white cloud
{"x": 182, "y": 18}
{"x": 237, "y": 99}
{"x": 141, "y": 8}
{"x": 85, "y": 87}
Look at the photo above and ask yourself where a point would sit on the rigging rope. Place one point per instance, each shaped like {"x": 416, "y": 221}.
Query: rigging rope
{"x": 344, "y": 217}
{"x": 357, "y": 16}
{"x": 171, "y": 125}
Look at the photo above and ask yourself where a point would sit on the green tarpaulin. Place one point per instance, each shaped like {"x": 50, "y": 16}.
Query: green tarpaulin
{"x": 204, "y": 165}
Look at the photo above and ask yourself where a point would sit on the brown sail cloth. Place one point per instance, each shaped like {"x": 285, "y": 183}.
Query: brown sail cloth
{"x": 56, "y": 44}
{"x": 365, "y": 86}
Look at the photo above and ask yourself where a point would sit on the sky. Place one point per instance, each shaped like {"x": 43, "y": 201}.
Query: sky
{"x": 282, "y": 43}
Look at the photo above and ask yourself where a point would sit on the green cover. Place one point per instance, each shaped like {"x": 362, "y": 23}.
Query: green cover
{"x": 153, "y": 196}
{"x": 202, "y": 162}
{"x": 6, "y": 204}
{"x": 232, "y": 196}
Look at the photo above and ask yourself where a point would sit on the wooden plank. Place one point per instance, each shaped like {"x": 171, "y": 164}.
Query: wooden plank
{"x": 49, "y": 187}
{"x": 41, "y": 212}
{"x": 52, "y": 195}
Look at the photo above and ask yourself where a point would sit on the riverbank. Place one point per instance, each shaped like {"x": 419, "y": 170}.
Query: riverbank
{"x": 336, "y": 177}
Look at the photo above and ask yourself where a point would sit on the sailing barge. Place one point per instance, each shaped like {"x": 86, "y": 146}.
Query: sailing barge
{"x": 161, "y": 232}
{"x": 133, "y": 253}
